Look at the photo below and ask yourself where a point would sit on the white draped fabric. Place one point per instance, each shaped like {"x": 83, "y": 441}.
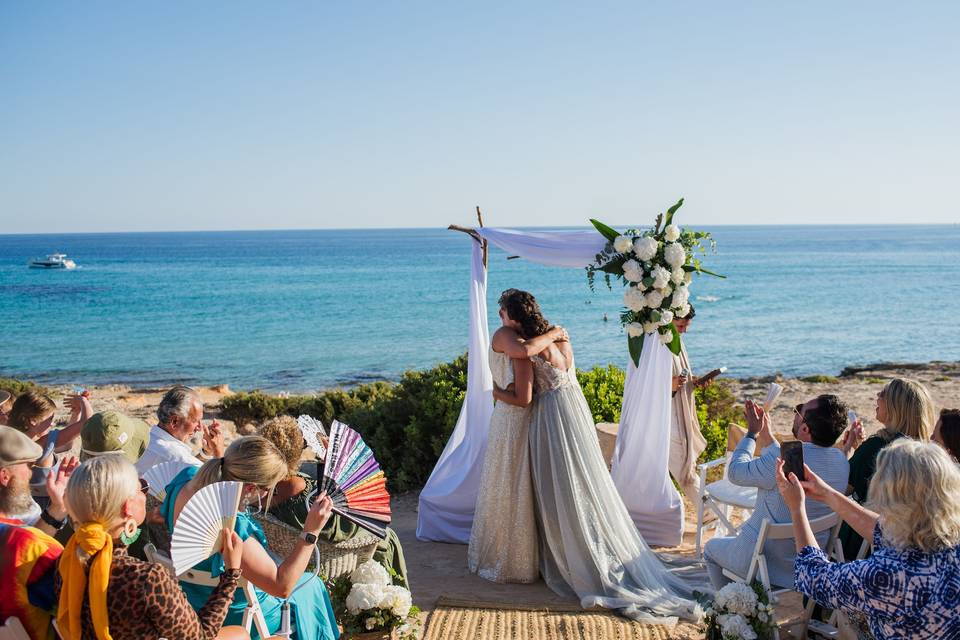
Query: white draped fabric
{"x": 448, "y": 499}
{"x": 643, "y": 447}
{"x": 642, "y": 450}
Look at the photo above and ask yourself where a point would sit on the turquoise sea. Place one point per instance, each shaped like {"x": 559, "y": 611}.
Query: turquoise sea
{"x": 303, "y": 310}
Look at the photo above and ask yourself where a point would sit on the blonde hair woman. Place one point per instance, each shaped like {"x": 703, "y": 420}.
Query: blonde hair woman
{"x": 908, "y": 587}
{"x": 905, "y": 409}
{"x": 103, "y": 592}
{"x": 258, "y": 464}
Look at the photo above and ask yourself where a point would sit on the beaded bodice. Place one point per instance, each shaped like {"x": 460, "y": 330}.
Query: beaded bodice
{"x": 548, "y": 377}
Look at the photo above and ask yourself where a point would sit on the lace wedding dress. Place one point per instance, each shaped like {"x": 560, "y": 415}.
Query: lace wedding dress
{"x": 503, "y": 541}
{"x": 589, "y": 546}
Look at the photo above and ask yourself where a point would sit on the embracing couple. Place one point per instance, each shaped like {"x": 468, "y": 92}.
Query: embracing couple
{"x": 547, "y": 504}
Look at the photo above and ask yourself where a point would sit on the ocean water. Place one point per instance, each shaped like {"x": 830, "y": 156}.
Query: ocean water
{"x": 304, "y": 310}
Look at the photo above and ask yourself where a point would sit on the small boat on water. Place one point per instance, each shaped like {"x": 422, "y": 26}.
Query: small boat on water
{"x": 53, "y": 261}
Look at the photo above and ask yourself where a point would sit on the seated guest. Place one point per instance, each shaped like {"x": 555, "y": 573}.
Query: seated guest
{"x": 946, "y": 432}
{"x": 33, "y": 414}
{"x": 256, "y": 463}
{"x": 104, "y": 593}
{"x": 291, "y": 499}
{"x": 179, "y": 417}
{"x": 908, "y": 587}
{"x": 28, "y": 555}
{"x": 817, "y": 424}
{"x": 6, "y": 403}
{"x": 905, "y": 410}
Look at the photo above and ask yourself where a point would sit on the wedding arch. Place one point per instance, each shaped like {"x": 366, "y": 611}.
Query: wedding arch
{"x": 639, "y": 467}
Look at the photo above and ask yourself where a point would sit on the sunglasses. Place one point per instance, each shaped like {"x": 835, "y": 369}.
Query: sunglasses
{"x": 799, "y": 411}
{"x": 144, "y": 486}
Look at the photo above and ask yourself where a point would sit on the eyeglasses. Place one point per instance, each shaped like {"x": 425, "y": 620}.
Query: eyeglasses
{"x": 799, "y": 411}
{"x": 144, "y": 486}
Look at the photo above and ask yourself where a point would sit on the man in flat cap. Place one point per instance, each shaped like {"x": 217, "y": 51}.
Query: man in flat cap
{"x": 28, "y": 555}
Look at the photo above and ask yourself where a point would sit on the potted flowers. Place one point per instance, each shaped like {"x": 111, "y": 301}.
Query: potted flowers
{"x": 739, "y": 611}
{"x": 370, "y": 607}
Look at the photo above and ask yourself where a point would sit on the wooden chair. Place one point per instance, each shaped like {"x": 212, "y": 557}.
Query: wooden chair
{"x": 12, "y": 629}
{"x": 758, "y": 564}
{"x": 722, "y": 496}
{"x": 252, "y": 615}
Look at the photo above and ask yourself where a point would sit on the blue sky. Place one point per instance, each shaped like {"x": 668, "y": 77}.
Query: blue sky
{"x": 242, "y": 115}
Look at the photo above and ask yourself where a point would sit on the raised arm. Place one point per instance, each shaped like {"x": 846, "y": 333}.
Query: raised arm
{"x": 509, "y": 342}
{"x": 81, "y": 410}
{"x": 520, "y": 393}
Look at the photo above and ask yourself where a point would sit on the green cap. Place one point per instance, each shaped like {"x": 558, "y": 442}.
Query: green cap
{"x": 114, "y": 432}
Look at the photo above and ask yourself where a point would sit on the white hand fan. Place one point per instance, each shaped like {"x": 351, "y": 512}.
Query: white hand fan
{"x": 773, "y": 392}
{"x": 312, "y": 429}
{"x": 159, "y": 476}
{"x": 197, "y": 531}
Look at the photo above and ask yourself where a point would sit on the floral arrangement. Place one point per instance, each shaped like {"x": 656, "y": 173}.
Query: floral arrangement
{"x": 657, "y": 267}
{"x": 739, "y": 611}
{"x": 367, "y": 600}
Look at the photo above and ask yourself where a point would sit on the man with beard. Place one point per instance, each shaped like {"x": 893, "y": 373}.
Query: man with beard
{"x": 28, "y": 555}
{"x": 818, "y": 424}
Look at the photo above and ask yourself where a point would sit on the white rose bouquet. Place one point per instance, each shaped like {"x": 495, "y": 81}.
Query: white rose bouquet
{"x": 739, "y": 611}
{"x": 368, "y": 601}
{"x": 656, "y": 266}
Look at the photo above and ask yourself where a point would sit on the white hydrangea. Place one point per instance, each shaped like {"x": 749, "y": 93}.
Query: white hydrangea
{"x": 684, "y": 311}
{"x": 736, "y": 626}
{"x": 397, "y": 600}
{"x": 681, "y": 295}
{"x": 633, "y": 299}
{"x": 671, "y": 233}
{"x": 677, "y": 275}
{"x": 666, "y": 318}
{"x": 660, "y": 277}
{"x": 737, "y": 597}
{"x": 688, "y": 277}
{"x": 622, "y": 244}
{"x": 370, "y": 623}
{"x": 650, "y": 327}
{"x": 363, "y": 597}
{"x": 632, "y": 271}
{"x": 645, "y": 248}
{"x": 634, "y": 329}
{"x": 666, "y": 338}
{"x": 654, "y": 299}
{"x": 666, "y": 291}
{"x": 370, "y": 572}
{"x": 675, "y": 255}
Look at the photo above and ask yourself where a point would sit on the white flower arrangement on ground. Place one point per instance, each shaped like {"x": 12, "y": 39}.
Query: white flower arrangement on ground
{"x": 739, "y": 611}
{"x": 367, "y": 600}
{"x": 656, "y": 266}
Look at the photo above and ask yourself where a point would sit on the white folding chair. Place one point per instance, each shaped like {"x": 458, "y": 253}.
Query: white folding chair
{"x": 758, "y": 565}
{"x": 252, "y": 615}
{"x": 12, "y": 629}
{"x": 722, "y": 496}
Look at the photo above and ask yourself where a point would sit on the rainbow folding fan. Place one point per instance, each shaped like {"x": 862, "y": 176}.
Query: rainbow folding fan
{"x": 353, "y": 479}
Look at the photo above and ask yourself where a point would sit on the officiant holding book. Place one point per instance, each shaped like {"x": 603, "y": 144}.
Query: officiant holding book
{"x": 686, "y": 441}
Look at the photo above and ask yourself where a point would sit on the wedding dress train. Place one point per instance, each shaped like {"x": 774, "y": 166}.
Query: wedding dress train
{"x": 589, "y": 546}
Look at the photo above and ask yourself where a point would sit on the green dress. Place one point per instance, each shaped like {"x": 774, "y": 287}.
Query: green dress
{"x": 293, "y": 512}
{"x": 863, "y": 463}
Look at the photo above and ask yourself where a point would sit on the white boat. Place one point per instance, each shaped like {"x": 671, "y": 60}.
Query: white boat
{"x": 53, "y": 261}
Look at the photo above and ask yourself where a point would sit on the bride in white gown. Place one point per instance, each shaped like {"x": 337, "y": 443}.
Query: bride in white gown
{"x": 589, "y": 546}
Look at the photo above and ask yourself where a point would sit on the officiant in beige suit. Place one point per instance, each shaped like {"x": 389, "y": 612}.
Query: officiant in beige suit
{"x": 686, "y": 441}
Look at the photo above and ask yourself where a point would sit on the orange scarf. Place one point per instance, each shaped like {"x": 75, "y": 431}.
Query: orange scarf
{"x": 97, "y": 543}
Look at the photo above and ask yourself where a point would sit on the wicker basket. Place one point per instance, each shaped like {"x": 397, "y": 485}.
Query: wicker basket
{"x": 336, "y": 560}
{"x": 369, "y": 635}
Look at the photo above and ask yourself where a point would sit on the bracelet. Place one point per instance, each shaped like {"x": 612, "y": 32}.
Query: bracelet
{"x": 50, "y": 520}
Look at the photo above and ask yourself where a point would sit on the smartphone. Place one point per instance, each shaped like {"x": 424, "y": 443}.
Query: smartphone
{"x": 792, "y": 455}
{"x": 852, "y": 416}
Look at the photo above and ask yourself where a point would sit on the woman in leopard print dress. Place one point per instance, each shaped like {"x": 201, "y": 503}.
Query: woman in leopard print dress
{"x": 103, "y": 592}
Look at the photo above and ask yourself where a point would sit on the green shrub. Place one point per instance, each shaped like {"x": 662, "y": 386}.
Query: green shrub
{"x": 16, "y": 387}
{"x": 716, "y": 408}
{"x": 821, "y": 379}
{"x": 603, "y": 389}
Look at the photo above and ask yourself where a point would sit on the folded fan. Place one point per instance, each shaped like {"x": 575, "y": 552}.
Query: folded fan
{"x": 773, "y": 392}
{"x": 160, "y": 475}
{"x": 197, "y": 531}
{"x": 352, "y": 477}
{"x": 312, "y": 429}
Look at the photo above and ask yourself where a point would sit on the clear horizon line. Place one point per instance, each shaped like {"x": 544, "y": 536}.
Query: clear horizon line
{"x": 586, "y": 226}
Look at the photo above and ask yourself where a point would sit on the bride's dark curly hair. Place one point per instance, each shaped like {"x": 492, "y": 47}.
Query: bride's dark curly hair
{"x": 522, "y": 307}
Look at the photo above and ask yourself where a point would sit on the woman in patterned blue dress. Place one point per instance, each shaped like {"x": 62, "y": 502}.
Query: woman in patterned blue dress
{"x": 910, "y": 586}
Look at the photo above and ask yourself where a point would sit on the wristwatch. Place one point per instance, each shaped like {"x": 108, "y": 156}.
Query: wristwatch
{"x": 309, "y": 538}
{"x": 50, "y": 520}
{"x": 751, "y": 435}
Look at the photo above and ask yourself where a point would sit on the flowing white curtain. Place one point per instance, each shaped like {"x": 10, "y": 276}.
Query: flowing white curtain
{"x": 448, "y": 499}
{"x": 643, "y": 447}
{"x": 642, "y": 451}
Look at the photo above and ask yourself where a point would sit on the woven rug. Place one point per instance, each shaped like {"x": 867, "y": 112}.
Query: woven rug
{"x": 454, "y": 619}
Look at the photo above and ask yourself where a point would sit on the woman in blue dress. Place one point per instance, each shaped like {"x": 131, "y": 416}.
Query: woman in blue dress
{"x": 258, "y": 464}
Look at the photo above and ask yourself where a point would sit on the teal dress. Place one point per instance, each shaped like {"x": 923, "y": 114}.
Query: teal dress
{"x": 312, "y": 616}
